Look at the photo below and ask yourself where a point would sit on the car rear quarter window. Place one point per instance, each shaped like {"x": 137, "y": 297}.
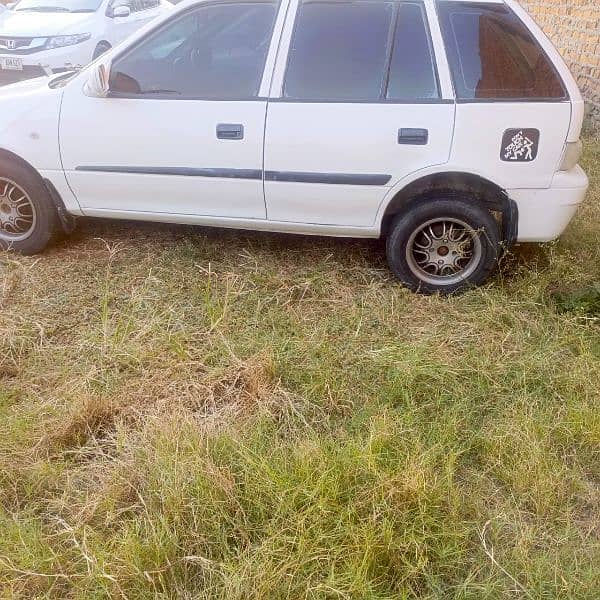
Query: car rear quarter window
{"x": 493, "y": 56}
{"x": 339, "y": 51}
{"x": 412, "y": 69}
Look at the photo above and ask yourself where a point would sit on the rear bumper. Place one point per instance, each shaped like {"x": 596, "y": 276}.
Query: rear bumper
{"x": 545, "y": 213}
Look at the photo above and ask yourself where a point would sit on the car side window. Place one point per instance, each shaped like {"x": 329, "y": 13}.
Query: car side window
{"x": 339, "y": 51}
{"x": 493, "y": 55}
{"x": 214, "y": 51}
{"x": 413, "y": 74}
{"x": 361, "y": 51}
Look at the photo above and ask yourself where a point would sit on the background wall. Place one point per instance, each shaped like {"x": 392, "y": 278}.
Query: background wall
{"x": 574, "y": 27}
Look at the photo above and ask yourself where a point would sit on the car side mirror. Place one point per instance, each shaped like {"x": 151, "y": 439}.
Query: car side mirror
{"x": 121, "y": 12}
{"x": 97, "y": 85}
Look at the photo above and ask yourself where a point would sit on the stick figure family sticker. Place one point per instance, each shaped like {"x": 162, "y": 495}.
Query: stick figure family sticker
{"x": 520, "y": 145}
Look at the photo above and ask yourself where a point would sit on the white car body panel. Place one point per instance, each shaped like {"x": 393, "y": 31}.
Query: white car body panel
{"x": 476, "y": 124}
{"x": 30, "y": 121}
{"x": 301, "y": 137}
{"x": 545, "y": 213}
{"x": 184, "y": 136}
{"x": 295, "y": 129}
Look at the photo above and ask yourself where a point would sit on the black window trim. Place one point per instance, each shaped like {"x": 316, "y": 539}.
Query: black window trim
{"x": 388, "y": 62}
{"x": 565, "y": 99}
{"x": 162, "y": 25}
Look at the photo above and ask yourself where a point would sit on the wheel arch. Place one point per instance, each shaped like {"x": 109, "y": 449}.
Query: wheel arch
{"x": 473, "y": 187}
{"x": 67, "y": 221}
{"x": 11, "y": 156}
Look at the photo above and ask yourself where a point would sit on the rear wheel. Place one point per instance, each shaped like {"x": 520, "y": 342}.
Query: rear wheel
{"x": 28, "y": 217}
{"x": 443, "y": 245}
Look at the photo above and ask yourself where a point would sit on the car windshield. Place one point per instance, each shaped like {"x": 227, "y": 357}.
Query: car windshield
{"x": 72, "y": 6}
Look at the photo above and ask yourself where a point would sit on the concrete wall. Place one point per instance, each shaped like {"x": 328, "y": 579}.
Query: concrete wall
{"x": 574, "y": 27}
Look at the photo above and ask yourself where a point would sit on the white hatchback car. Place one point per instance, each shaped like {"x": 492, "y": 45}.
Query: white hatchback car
{"x": 43, "y": 37}
{"x": 450, "y": 127}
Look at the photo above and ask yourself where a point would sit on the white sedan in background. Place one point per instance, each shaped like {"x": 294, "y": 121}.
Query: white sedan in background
{"x": 43, "y": 37}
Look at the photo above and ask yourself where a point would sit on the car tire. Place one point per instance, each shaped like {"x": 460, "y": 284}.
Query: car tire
{"x": 28, "y": 217}
{"x": 443, "y": 245}
{"x": 101, "y": 48}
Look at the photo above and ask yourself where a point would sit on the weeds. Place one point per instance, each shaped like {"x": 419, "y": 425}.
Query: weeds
{"x": 192, "y": 413}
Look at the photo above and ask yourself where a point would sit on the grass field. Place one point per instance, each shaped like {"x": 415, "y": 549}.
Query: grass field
{"x": 190, "y": 413}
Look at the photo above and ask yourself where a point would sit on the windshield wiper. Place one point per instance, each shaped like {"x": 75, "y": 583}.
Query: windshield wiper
{"x": 83, "y": 10}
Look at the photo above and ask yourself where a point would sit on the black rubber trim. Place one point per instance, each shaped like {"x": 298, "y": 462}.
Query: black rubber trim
{"x": 289, "y": 100}
{"x": 510, "y": 231}
{"x": 512, "y": 100}
{"x": 329, "y": 178}
{"x": 177, "y": 171}
{"x": 125, "y": 96}
{"x": 255, "y": 174}
{"x": 67, "y": 221}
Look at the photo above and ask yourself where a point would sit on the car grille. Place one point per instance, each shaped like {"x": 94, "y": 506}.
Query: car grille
{"x": 7, "y": 77}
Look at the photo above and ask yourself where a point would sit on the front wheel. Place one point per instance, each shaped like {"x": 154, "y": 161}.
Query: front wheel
{"x": 443, "y": 245}
{"x": 28, "y": 217}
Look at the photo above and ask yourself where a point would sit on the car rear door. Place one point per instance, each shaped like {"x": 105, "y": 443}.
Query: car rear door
{"x": 357, "y": 104}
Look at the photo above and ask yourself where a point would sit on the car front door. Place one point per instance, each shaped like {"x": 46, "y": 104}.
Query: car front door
{"x": 356, "y": 106}
{"x": 182, "y": 130}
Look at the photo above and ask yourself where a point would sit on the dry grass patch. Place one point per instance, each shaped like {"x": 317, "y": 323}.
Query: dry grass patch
{"x": 189, "y": 413}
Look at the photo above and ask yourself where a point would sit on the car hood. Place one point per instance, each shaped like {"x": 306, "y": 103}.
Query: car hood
{"x": 37, "y": 24}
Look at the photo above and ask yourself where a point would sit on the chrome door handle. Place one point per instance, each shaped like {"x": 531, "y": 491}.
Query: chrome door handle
{"x": 413, "y": 136}
{"x": 230, "y": 131}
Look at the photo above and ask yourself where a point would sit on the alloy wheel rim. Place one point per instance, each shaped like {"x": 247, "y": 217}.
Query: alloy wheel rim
{"x": 17, "y": 212}
{"x": 444, "y": 251}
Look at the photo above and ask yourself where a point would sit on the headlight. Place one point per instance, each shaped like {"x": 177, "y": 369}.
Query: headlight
{"x": 60, "y": 41}
{"x": 571, "y": 156}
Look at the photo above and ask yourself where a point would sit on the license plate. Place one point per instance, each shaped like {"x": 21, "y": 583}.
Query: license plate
{"x": 11, "y": 64}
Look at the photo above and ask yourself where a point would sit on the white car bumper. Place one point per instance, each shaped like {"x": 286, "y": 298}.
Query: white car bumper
{"x": 46, "y": 62}
{"x": 545, "y": 213}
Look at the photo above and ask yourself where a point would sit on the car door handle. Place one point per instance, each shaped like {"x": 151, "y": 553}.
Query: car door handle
{"x": 230, "y": 131}
{"x": 413, "y": 136}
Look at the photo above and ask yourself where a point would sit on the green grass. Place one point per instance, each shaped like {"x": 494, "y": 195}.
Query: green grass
{"x": 189, "y": 413}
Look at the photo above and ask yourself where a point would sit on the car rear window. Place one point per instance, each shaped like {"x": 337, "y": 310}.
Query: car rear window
{"x": 493, "y": 55}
